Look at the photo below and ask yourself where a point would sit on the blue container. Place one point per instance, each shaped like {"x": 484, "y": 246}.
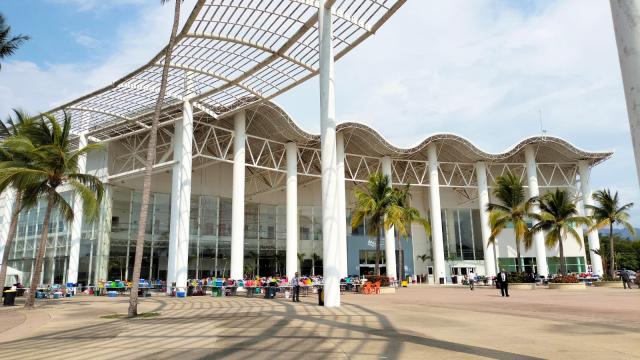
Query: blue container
{"x": 181, "y": 294}
{"x": 112, "y": 293}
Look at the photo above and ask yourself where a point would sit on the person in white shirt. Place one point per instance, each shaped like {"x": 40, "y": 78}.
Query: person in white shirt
{"x": 503, "y": 281}
{"x": 472, "y": 280}
{"x": 295, "y": 283}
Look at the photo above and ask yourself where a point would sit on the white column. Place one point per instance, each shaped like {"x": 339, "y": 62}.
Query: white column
{"x": 6, "y": 209}
{"x": 342, "y": 207}
{"x": 389, "y": 234}
{"x": 330, "y": 212}
{"x": 76, "y": 224}
{"x": 483, "y": 200}
{"x": 178, "y": 261}
{"x": 182, "y": 256}
{"x": 587, "y": 199}
{"x": 439, "y": 270}
{"x": 626, "y": 17}
{"x": 538, "y": 238}
{"x": 237, "y": 202}
{"x": 292, "y": 209}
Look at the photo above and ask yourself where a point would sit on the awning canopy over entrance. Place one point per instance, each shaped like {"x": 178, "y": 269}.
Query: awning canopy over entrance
{"x": 228, "y": 56}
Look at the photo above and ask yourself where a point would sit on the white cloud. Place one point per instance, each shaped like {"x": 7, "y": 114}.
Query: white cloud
{"x": 39, "y": 88}
{"x": 85, "y": 40}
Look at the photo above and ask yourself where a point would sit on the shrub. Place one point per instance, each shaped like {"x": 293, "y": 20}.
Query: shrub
{"x": 567, "y": 279}
{"x": 519, "y": 278}
{"x": 384, "y": 280}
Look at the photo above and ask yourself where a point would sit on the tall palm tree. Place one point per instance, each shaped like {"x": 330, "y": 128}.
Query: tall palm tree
{"x": 150, "y": 159}
{"x": 8, "y": 43}
{"x": 372, "y": 204}
{"x": 514, "y": 209}
{"x": 301, "y": 256}
{"x": 13, "y": 127}
{"x": 608, "y": 212}
{"x": 558, "y": 219}
{"x": 404, "y": 216}
{"x": 51, "y": 164}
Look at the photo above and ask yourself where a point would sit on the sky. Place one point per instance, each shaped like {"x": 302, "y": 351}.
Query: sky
{"x": 493, "y": 71}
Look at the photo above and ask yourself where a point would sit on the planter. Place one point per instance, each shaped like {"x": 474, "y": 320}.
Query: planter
{"x": 567, "y": 286}
{"x": 522, "y": 286}
{"x": 609, "y": 284}
{"x": 387, "y": 290}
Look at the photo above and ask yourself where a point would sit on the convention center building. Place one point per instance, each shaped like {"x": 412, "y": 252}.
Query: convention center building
{"x": 238, "y": 189}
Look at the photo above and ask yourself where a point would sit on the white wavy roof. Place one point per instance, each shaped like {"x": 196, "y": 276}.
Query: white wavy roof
{"x": 230, "y": 54}
{"x": 272, "y": 122}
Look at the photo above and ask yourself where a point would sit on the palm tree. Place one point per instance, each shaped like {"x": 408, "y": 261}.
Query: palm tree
{"x": 16, "y": 127}
{"x": 51, "y": 164}
{"x": 314, "y": 259}
{"x": 301, "y": 256}
{"x": 514, "y": 209}
{"x": 608, "y": 212}
{"x": 150, "y": 159}
{"x": 373, "y": 203}
{"x": 8, "y": 43}
{"x": 404, "y": 215}
{"x": 558, "y": 219}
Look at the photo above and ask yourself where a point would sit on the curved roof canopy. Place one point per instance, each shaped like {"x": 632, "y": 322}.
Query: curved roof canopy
{"x": 229, "y": 55}
{"x": 272, "y": 122}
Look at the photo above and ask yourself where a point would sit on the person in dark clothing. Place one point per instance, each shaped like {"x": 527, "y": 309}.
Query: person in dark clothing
{"x": 626, "y": 280}
{"x": 503, "y": 281}
{"x": 295, "y": 283}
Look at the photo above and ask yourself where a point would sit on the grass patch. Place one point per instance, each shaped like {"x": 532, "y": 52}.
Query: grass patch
{"x": 124, "y": 316}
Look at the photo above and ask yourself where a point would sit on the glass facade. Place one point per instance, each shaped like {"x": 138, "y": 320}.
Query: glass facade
{"x": 461, "y": 234}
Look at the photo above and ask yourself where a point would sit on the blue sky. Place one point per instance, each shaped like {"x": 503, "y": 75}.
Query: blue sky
{"x": 484, "y": 69}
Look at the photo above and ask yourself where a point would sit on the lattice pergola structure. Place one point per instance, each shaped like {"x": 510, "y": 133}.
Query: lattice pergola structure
{"x": 229, "y": 55}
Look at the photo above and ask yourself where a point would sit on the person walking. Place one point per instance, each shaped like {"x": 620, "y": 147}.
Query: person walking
{"x": 626, "y": 280}
{"x": 295, "y": 283}
{"x": 472, "y": 280}
{"x": 503, "y": 282}
{"x": 638, "y": 278}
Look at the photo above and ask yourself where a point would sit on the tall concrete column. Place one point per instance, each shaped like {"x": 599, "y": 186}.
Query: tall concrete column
{"x": 626, "y": 24}
{"x": 483, "y": 201}
{"x": 330, "y": 212}
{"x": 389, "y": 234}
{"x": 76, "y": 224}
{"x": 587, "y": 200}
{"x": 342, "y": 207}
{"x": 178, "y": 261}
{"x": 538, "y": 238}
{"x": 439, "y": 270}
{"x": 7, "y": 202}
{"x": 237, "y": 202}
{"x": 292, "y": 209}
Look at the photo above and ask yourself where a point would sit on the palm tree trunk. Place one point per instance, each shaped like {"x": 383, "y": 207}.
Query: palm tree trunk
{"x": 42, "y": 248}
{"x": 151, "y": 152}
{"x": 612, "y": 261}
{"x": 400, "y": 259}
{"x": 376, "y": 270}
{"x": 519, "y": 256}
{"x": 10, "y": 236}
{"x": 563, "y": 268}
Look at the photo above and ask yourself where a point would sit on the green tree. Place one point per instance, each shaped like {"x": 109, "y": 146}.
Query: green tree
{"x": 403, "y": 215}
{"x": 373, "y": 202}
{"x": 558, "y": 219}
{"x": 9, "y": 43}
{"x": 149, "y": 160}
{"x": 51, "y": 165}
{"x": 608, "y": 212}
{"x": 514, "y": 209}
{"x": 12, "y": 128}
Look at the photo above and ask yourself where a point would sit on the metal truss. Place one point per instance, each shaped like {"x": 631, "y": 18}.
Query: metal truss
{"x": 230, "y": 54}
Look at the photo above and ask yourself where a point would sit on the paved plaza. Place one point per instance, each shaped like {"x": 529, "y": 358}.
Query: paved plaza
{"x": 421, "y": 322}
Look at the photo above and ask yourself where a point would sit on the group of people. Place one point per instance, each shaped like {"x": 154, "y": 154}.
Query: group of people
{"x": 501, "y": 279}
